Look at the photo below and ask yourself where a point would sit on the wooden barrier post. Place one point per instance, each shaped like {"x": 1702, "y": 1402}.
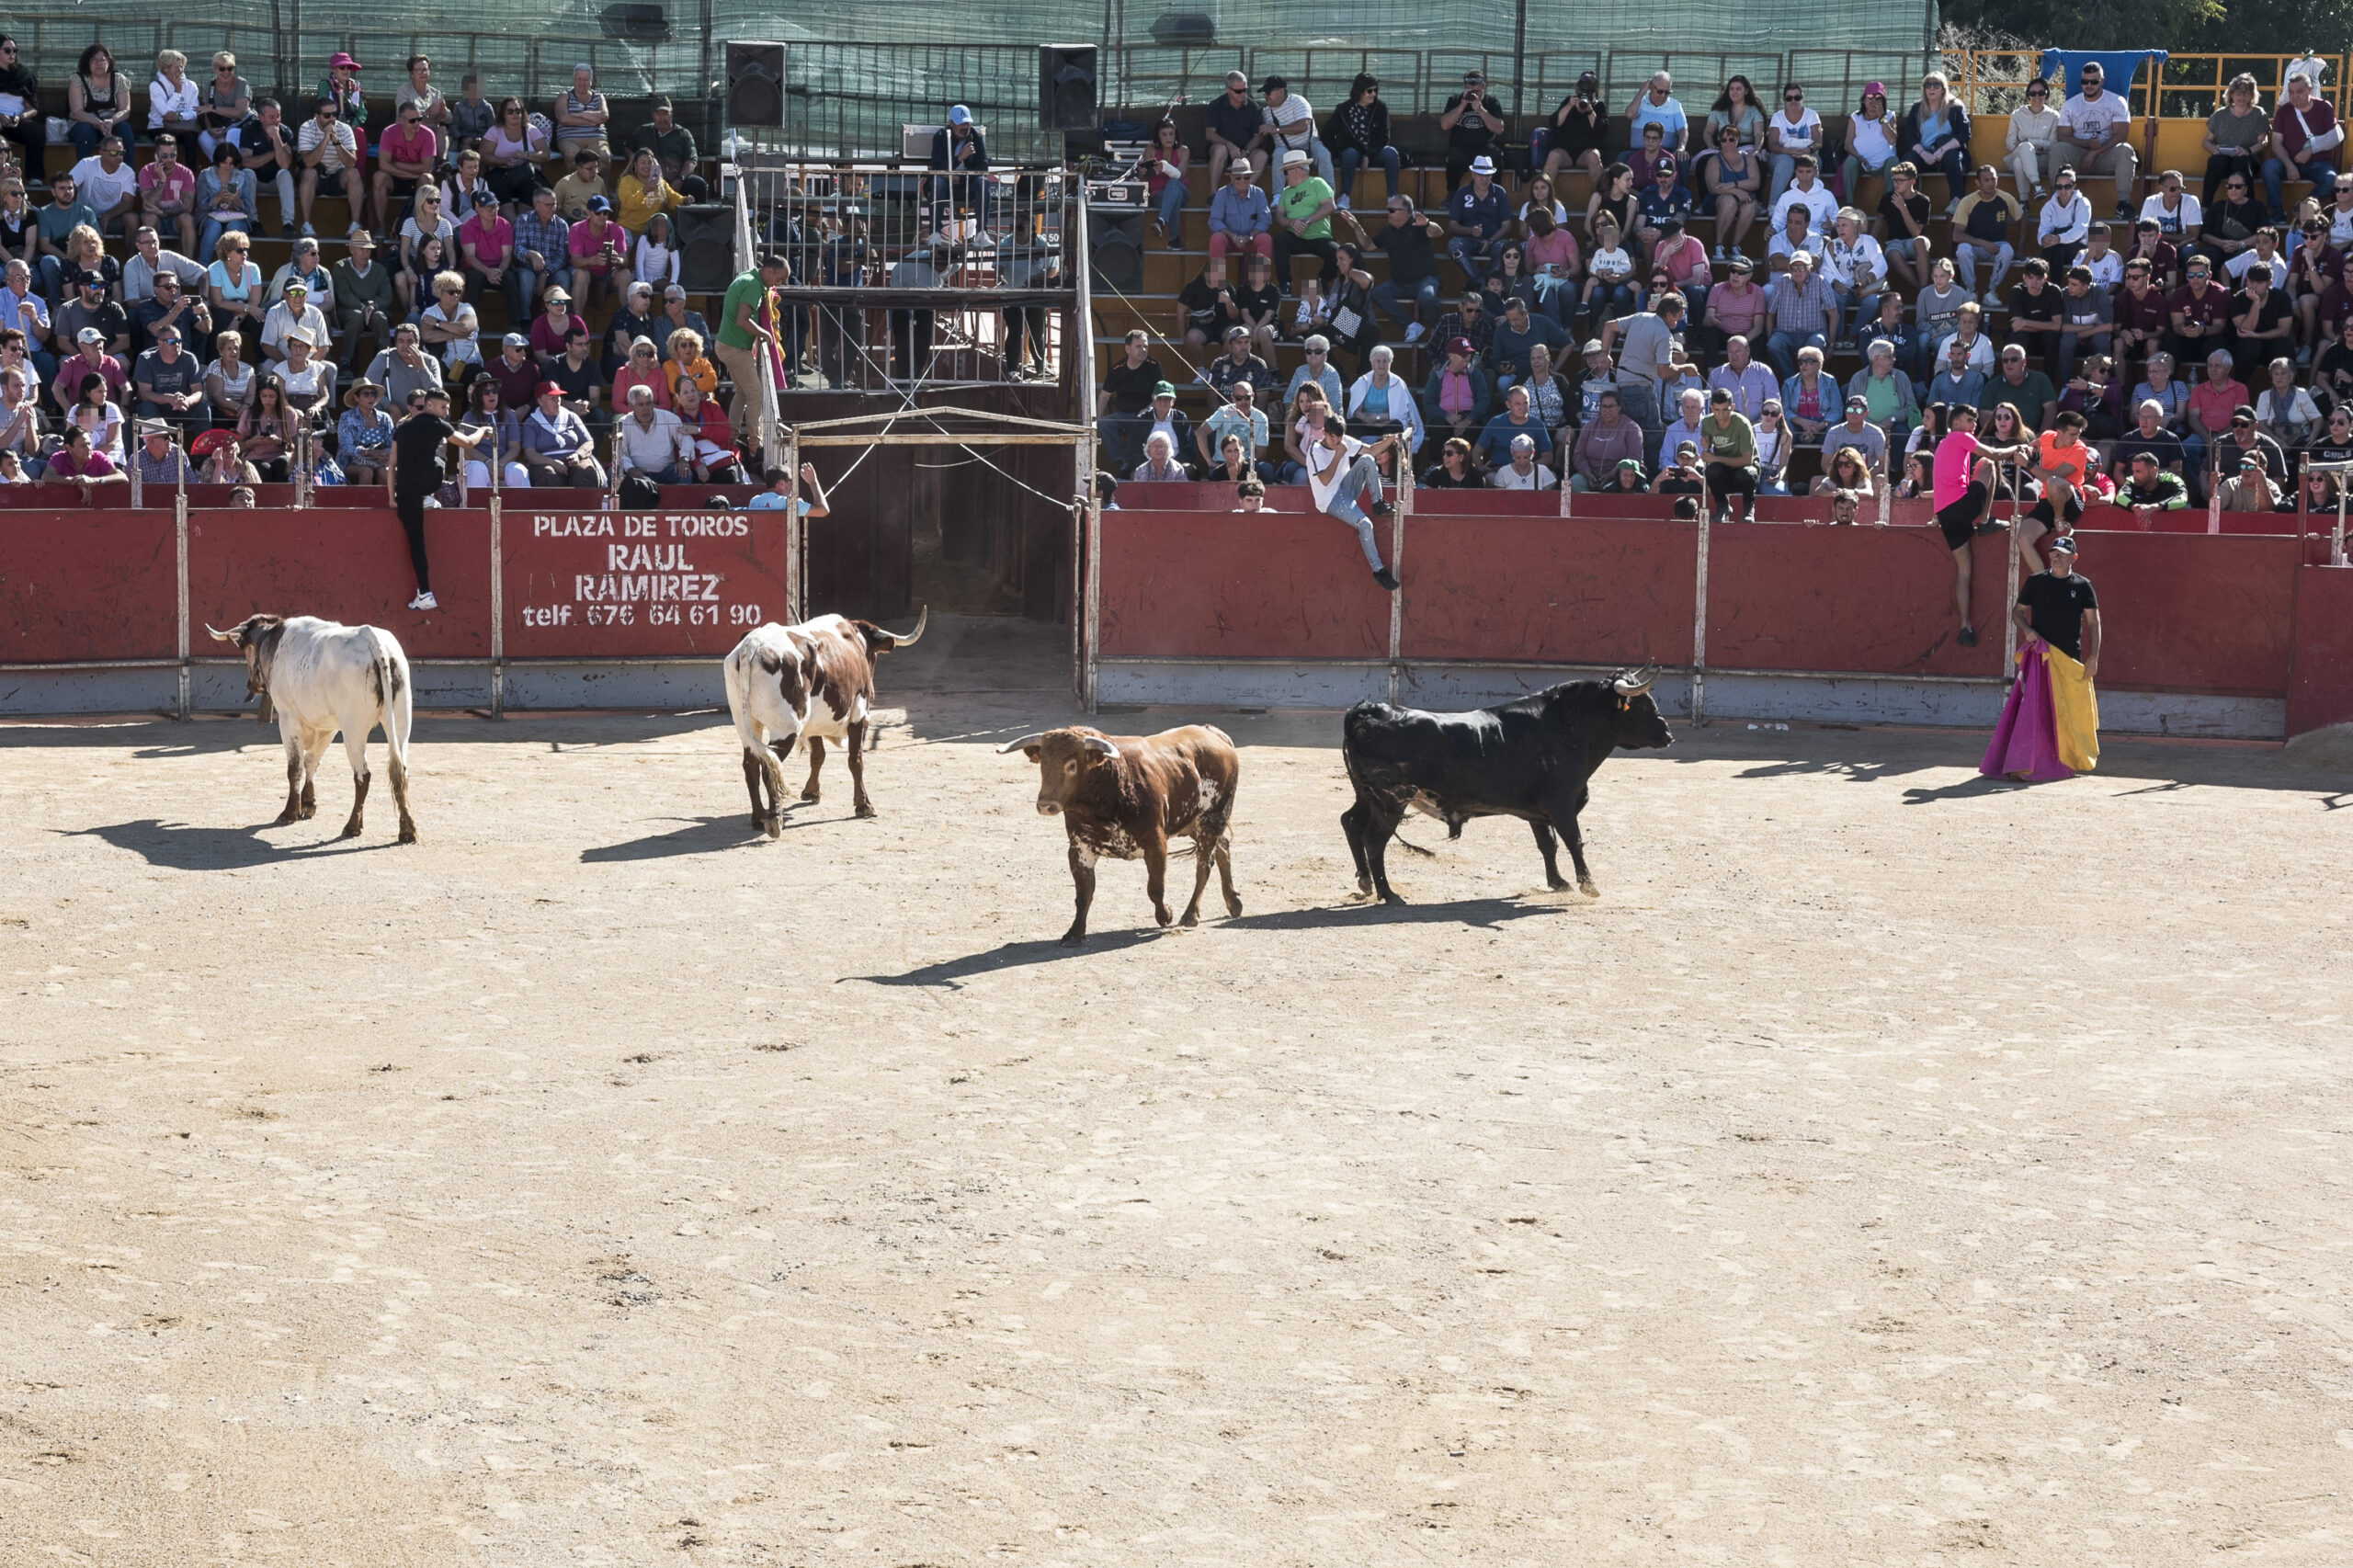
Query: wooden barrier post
{"x": 1396, "y": 567}
{"x": 179, "y": 530}
{"x": 1092, "y": 588}
{"x": 796, "y": 536}
{"x": 498, "y": 600}
{"x": 1699, "y": 619}
{"x": 2010, "y": 580}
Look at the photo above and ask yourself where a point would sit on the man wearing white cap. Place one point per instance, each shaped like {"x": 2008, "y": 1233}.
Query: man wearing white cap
{"x": 293, "y": 309}
{"x": 959, "y": 148}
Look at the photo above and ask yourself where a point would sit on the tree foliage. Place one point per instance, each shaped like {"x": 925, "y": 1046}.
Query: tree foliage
{"x": 2255, "y": 26}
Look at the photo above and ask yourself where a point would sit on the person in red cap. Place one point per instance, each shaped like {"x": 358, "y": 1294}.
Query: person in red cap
{"x": 342, "y": 84}
{"x": 1458, "y": 398}
{"x": 557, "y": 447}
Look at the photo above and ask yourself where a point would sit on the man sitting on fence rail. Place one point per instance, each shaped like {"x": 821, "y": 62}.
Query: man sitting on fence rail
{"x": 1341, "y": 468}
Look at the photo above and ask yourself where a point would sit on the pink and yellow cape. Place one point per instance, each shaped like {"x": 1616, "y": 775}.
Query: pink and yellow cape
{"x": 2050, "y": 726}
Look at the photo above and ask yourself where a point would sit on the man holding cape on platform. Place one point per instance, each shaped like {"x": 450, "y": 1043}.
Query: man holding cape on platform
{"x": 2050, "y": 727}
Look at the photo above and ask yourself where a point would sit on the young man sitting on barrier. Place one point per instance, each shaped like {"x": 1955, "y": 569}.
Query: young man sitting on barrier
{"x": 1340, "y": 469}
{"x": 1965, "y": 499}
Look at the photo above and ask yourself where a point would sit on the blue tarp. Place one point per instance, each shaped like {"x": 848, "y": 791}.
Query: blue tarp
{"x": 2119, "y": 66}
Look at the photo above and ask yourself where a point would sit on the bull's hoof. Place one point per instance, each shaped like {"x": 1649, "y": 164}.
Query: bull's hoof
{"x": 1392, "y": 897}
{"x": 1074, "y": 938}
{"x": 1233, "y": 904}
{"x": 351, "y": 828}
{"x": 807, "y": 796}
{"x": 866, "y": 809}
{"x": 1589, "y": 889}
{"x": 1160, "y": 912}
{"x": 1556, "y": 884}
{"x": 1192, "y": 917}
{"x": 408, "y": 832}
{"x": 291, "y": 813}
{"x": 773, "y": 825}
{"x": 1364, "y": 884}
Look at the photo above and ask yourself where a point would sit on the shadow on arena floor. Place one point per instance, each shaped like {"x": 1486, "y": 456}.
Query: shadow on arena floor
{"x": 1484, "y": 913}
{"x": 183, "y": 847}
{"x": 701, "y": 835}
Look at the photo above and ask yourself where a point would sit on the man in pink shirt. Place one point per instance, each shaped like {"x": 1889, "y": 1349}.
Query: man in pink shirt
{"x": 404, "y": 155}
{"x": 599, "y": 252}
{"x": 1964, "y": 499}
{"x": 79, "y": 466}
{"x": 487, "y": 242}
{"x": 167, "y": 192}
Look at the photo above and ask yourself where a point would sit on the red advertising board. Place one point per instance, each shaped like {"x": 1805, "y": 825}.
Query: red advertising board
{"x": 346, "y": 565}
{"x": 594, "y": 584}
{"x": 88, "y": 584}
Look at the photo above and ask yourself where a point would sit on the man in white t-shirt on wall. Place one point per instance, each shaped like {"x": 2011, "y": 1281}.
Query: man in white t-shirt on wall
{"x": 2095, "y": 136}
{"x": 1290, "y": 127}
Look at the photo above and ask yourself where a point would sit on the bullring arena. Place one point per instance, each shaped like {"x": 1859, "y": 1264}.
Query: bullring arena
{"x": 1885, "y": 1168}
{"x": 1885, "y": 1162}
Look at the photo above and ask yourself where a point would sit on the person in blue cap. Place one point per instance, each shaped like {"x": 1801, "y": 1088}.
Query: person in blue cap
{"x": 958, "y": 148}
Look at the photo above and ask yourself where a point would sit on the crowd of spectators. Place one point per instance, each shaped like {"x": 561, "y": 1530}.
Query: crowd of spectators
{"x": 241, "y": 370}
{"x": 2205, "y": 341}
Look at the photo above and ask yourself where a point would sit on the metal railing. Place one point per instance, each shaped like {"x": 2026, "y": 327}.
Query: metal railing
{"x": 1993, "y": 81}
{"x": 906, "y": 278}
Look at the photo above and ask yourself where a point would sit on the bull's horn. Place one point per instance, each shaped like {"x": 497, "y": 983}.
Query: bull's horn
{"x": 1024, "y": 744}
{"x": 1634, "y": 683}
{"x": 1098, "y": 743}
{"x": 909, "y": 639}
{"x": 219, "y": 635}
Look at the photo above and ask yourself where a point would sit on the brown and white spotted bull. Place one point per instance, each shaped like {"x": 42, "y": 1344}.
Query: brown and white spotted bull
{"x": 318, "y": 676}
{"x": 1126, "y": 796}
{"x": 814, "y": 681}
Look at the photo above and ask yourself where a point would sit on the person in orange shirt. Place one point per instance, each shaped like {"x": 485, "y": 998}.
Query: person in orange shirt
{"x": 689, "y": 363}
{"x": 2063, "y": 462}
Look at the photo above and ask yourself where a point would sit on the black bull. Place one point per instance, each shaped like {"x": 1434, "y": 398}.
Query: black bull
{"x": 1530, "y": 759}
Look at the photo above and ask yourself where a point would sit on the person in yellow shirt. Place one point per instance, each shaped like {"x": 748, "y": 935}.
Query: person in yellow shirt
{"x": 689, "y": 363}
{"x": 643, "y": 193}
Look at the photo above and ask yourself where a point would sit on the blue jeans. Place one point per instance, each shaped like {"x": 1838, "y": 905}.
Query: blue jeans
{"x": 1123, "y": 436}
{"x": 1475, "y": 255}
{"x": 1390, "y": 296}
{"x": 1855, "y": 309}
{"x": 1785, "y": 169}
{"x": 86, "y": 138}
{"x": 942, "y": 193}
{"x": 1954, "y": 167}
{"x": 1606, "y": 300}
{"x": 1350, "y": 159}
{"x": 523, "y": 288}
{"x": 2277, "y": 172}
{"x": 214, "y": 228}
{"x": 1362, "y": 479}
{"x": 1783, "y": 349}
{"x": 1172, "y": 196}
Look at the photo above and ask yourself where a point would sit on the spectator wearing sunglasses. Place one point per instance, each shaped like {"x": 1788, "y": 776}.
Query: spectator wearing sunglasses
{"x": 328, "y": 148}
{"x": 21, "y": 118}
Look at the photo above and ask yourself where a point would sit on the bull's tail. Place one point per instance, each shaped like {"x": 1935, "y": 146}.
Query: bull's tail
{"x": 396, "y": 699}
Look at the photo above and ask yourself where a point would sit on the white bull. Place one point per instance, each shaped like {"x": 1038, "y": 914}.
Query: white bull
{"x": 320, "y": 676}
{"x": 814, "y": 681}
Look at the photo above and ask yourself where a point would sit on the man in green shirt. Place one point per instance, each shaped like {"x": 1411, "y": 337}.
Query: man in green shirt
{"x": 1731, "y": 441}
{"x": 673, "y": 146}
{"x": 2151, "y": 490}
{"x": 743, "y": 339}
{"x": 1303, "y": 215}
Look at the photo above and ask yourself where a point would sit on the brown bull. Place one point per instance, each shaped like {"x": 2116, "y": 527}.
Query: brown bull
{"x": 1126, "y": 796}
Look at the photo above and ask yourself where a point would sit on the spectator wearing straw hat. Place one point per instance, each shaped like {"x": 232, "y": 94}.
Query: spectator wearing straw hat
{"x": 1477, "y": 214}
{"x": 159, "y": 460}
{"x": 364, "y": 435}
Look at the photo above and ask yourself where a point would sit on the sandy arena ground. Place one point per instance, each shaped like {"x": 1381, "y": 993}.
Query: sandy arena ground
{"x": 1888, "y": 1168}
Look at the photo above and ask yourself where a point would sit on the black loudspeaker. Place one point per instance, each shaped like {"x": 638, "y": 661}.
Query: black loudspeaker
{"x": 1066, "y": 86}
{"x": 1115, "y": 250}
{"x": 636, "y": 21}
{"x": 754, "y": 84}
{"x": 704, "y": 232}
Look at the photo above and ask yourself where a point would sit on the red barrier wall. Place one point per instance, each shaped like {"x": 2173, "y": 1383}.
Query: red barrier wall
{"x": 2187, "y": 612}
{"x": 350, "y": 566}
{"x": 637, "y": 585}
{"x": 1785, "y": 598}
{"x": 1550, "y": 590}
{"x": 88, "y": 584}
{"x": 2320, "y": 687}
{"x": 1229, "y": 584}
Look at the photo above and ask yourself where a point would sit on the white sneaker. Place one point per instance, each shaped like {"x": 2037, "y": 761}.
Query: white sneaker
{"x": 1344, "y": 204}
{"x": 939, "y": 237}
{"x": 1414, "y": 333}
{"x": 308, "y": 232}
{"x": 425, "y": 601}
